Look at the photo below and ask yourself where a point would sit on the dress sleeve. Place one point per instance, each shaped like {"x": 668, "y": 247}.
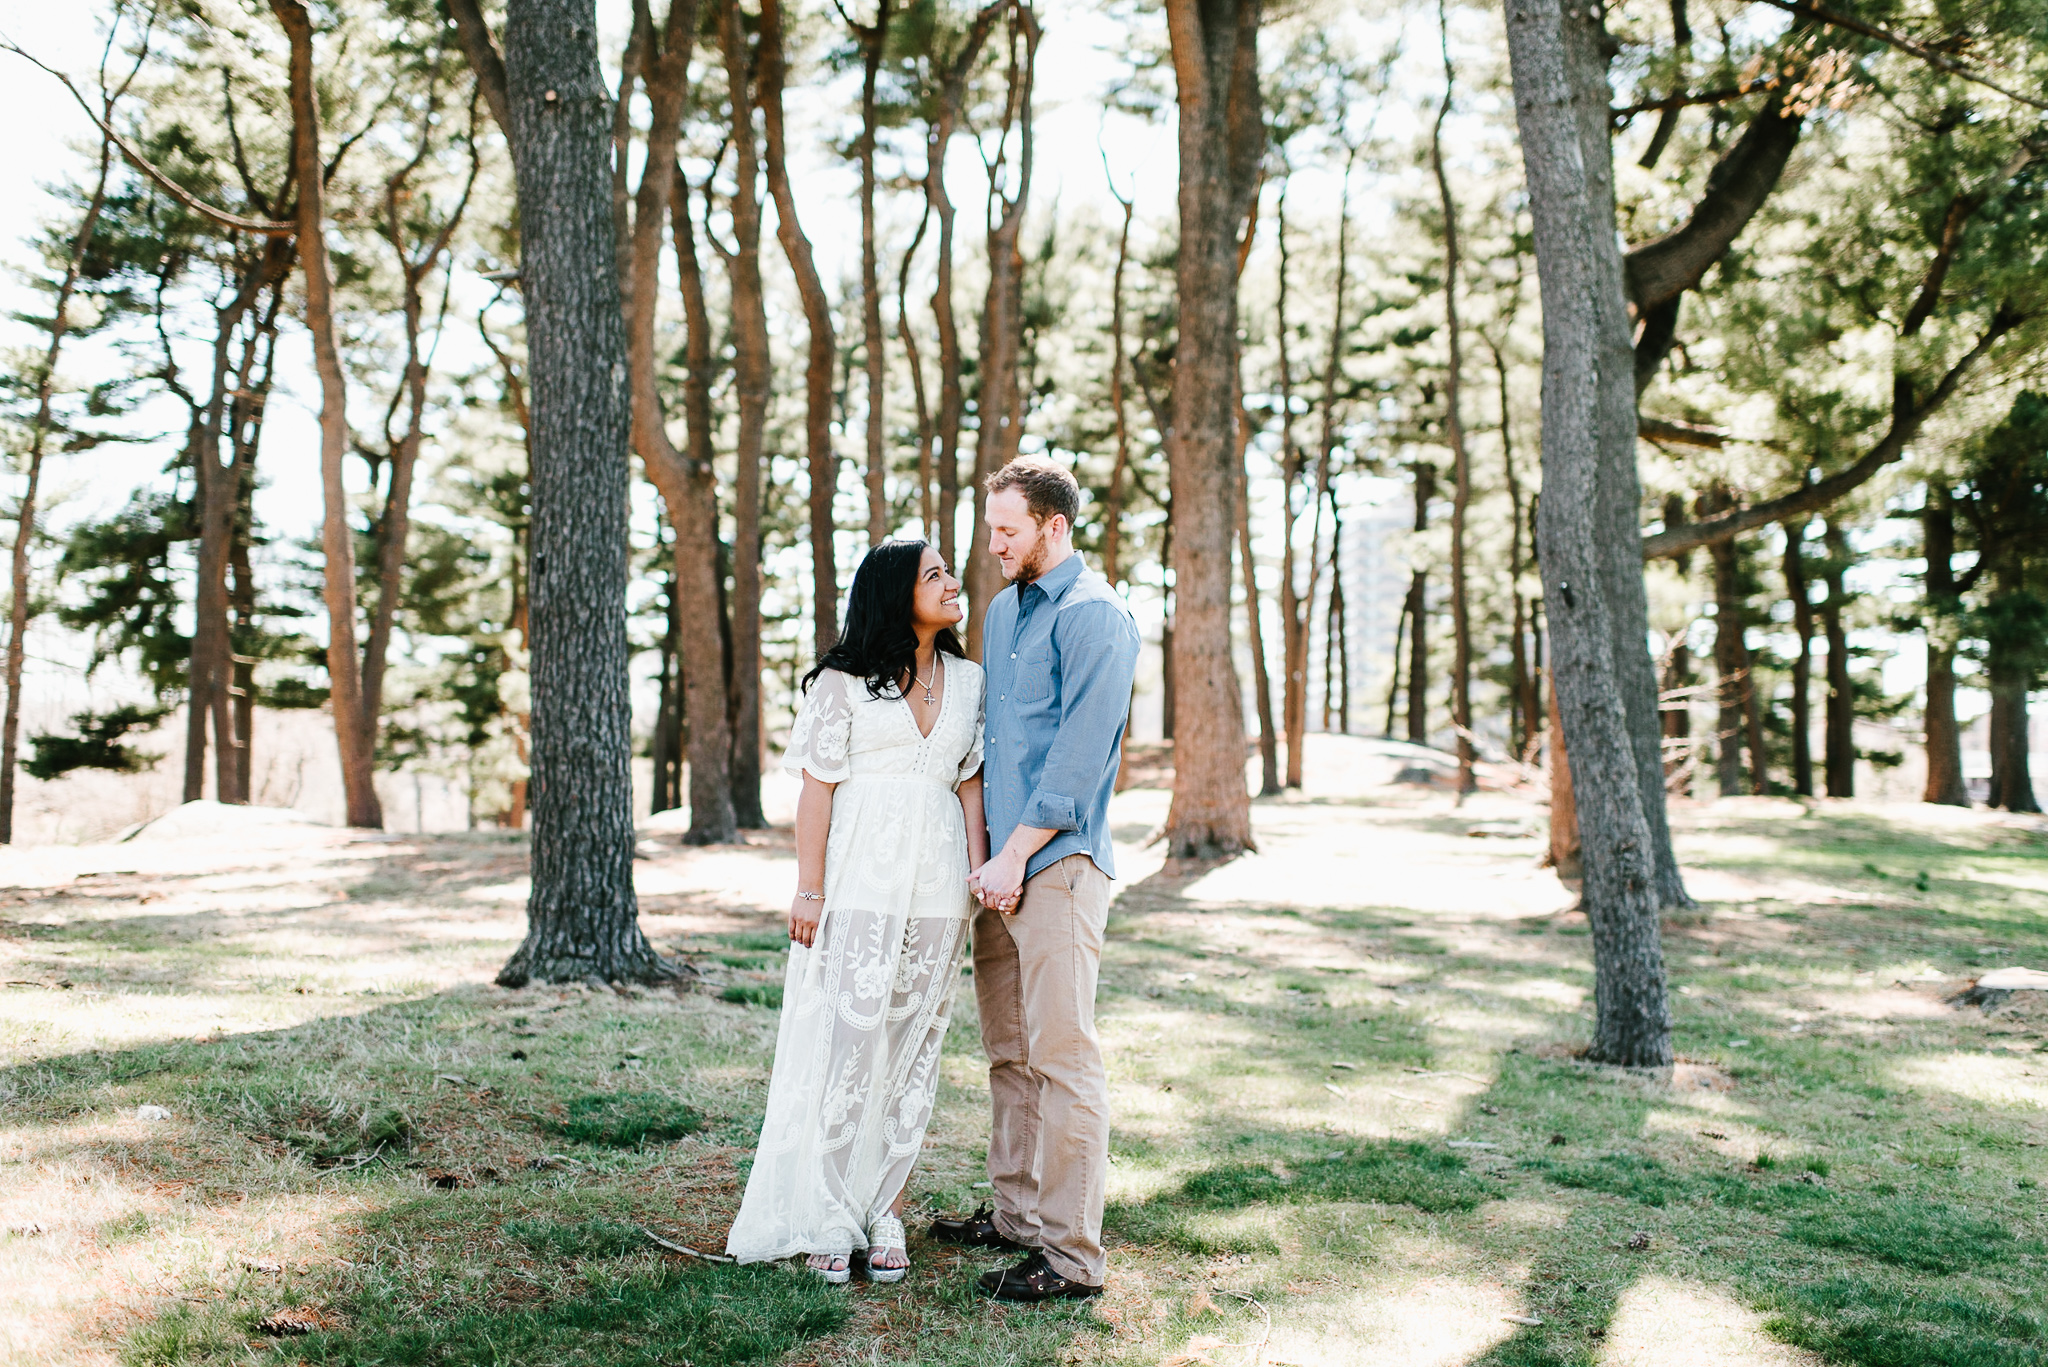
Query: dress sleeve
{"x": 824, "y": 727}
{"x": 970, "y": 764}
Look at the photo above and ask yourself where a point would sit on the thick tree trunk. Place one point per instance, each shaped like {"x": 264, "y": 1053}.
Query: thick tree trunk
{"x": 1839, "y": 750}
{"x": 582, "y": 917}
{"x": 2012, "y": 784}
{"x": 1454, "y": 436}
{"x": 823, "y": 461}
{"x": 1800, "y": 592}
{"x": 872, "y": 40}
{"x": 25, "y": 514}
{"x": 1222, "y": 141}
{"x": 352, "y": 734}
{"x": 1573, "y": 227}
{"x": 1588, "y": 50}
{"x": 999, "y": 405}
{"x": 1943, "y": 606}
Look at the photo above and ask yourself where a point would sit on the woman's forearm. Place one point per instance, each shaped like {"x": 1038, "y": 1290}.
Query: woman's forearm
{"x": 977, "y": 822}
{"x": 813, "y": 827}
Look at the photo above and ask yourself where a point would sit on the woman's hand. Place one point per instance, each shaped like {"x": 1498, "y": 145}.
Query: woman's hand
{"x": 804, "y": 913}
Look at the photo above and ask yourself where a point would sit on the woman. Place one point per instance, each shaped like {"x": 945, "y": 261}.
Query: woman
{"x": 888, "y": 745}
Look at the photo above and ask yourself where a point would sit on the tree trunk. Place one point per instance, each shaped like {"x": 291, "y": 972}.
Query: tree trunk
{"x": 245, "y": 429}
{"x": 687, "y": 482}
{"x": 952, "y": 95}
{"x": 1567, "y": 207}
{"x": 906, "y": 337}
{"x": 999, "y": 408}
{"x": 352, "y": 735}
{"x": 1166, "y": 674}
{"x": 1588, "y": 49}
{"x": 1293, "y": 611}
{"x": 1113, "y": 510}
{"x": 2012, "y": 785}
{"x": 1337, "y": 636}
{"x": 582, "y": 916}
{"x": 1255, "y": 635}
{"x": 872, "y": 40}
{"x": 1801, "y": 594}
{"x": 1418, "y": 617}
{"x": 1394, "y": 672}
{"x": 1945, "y": 785}
{"x": 1677, "y": 717}
{"x": 1454, "y": 435}
{"x": 1731, "y": 668}
{"x": 665, "y": 746}
{"x": 1222, "y": 141}
{"x": 1522, "y": 684}
{"x": 1839, "y": 751}
{"x": 824, "y": 462}
{"x": 25, "y": 516}
{"x": 705, "y": 639}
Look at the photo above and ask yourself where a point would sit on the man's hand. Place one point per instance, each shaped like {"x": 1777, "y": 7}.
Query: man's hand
{"x": 999, "y": 884}
{"x": 803, "y": 919}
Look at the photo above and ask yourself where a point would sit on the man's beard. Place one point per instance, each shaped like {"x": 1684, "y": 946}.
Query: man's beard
{"x": 1029, "y": 567}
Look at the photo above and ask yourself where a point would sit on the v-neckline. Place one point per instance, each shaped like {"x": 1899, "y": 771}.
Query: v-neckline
{"x": 945, "y": 696}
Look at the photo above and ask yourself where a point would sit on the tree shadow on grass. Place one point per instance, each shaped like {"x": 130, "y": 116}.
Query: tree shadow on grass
{"x": 1867, "y": 1264}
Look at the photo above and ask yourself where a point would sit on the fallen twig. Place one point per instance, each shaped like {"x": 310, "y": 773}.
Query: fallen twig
{"x": 1259, "y": 1348}
{"x": 683, "y": 1249}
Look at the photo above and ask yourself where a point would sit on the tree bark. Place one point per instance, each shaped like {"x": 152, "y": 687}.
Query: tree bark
{"x": 1839, "y": 751}
{"x": 906, "y": 337}
{"x": 1801, "y": 594}
{"x": 1113, "y": 510}
{"x": 1945, "y": 785}
{"x": 1337, "y": 638}
{"x": 1528, "y": 709}
{"x": 1454, "y": 435}
{"x": 823, "y": 461}
{"x": 872, "y": 39}
{"x": 582, "y": 916}
{"x": 999, "y": 408}
{"x": 25, "y": 516}
{"x": 2012, "y": 783}
{"x": 952, "y": 95}
{"x": 1255, "y": 635}
{"x": 1222, "y": 142}
{"x": 1731, "y": 668}
{"x": 353, "y": 737}
{"x": 393, "y": 525}
{"x": 1571, "y": 221}
{"x": 1418, "y": 617}
{"x": 1564, "y": 854}
{"x": 686, "y": 482}
{"x": 1588, "y": 50}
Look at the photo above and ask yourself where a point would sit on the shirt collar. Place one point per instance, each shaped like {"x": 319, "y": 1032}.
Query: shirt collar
{"x": 1055, "y": 582}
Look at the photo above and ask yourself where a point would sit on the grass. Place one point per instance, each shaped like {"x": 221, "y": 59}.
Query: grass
{"x": 1367, "y": 1119}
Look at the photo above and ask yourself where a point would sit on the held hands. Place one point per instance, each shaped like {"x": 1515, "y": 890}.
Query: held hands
{"x": 999, "y": 884}
{"x": 804, "y": 913}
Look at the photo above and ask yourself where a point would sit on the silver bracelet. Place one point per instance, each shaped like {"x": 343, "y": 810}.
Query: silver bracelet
{"x": 810, "y": 897}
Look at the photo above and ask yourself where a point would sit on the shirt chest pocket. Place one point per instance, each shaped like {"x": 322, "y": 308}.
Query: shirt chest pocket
{"x": 1037, "y": 674}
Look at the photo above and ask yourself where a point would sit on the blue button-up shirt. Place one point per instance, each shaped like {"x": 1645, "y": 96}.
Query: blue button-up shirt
{"x": 1059, "y": 654}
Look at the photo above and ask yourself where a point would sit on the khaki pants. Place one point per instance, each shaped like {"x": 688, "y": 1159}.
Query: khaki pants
{"x": 1048, "y": 1151}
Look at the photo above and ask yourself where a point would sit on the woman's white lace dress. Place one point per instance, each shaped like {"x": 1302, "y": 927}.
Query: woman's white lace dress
{"x": 865, "y": 1010}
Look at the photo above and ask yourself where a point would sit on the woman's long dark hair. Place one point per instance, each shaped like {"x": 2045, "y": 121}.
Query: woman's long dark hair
{"x": 879, "y": 643}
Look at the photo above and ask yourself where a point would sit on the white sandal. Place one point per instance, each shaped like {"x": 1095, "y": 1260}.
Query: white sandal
{"x": 835, "y": 1276}
{"x": 887, "y": 1233}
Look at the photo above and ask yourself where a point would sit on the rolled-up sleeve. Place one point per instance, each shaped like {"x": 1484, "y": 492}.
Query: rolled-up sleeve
{"x": 1098, "y": 660}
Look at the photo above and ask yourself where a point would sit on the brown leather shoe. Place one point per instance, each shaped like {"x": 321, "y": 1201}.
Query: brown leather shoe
{"x": 976, "y": 1231}
{"x": 1034, "y": 1280}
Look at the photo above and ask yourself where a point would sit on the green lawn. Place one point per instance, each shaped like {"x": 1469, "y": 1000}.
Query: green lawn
{"x": 1344, "y": 1134}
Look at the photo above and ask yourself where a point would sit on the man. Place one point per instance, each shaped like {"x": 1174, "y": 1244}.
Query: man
{"x": 1060, "y": 649}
